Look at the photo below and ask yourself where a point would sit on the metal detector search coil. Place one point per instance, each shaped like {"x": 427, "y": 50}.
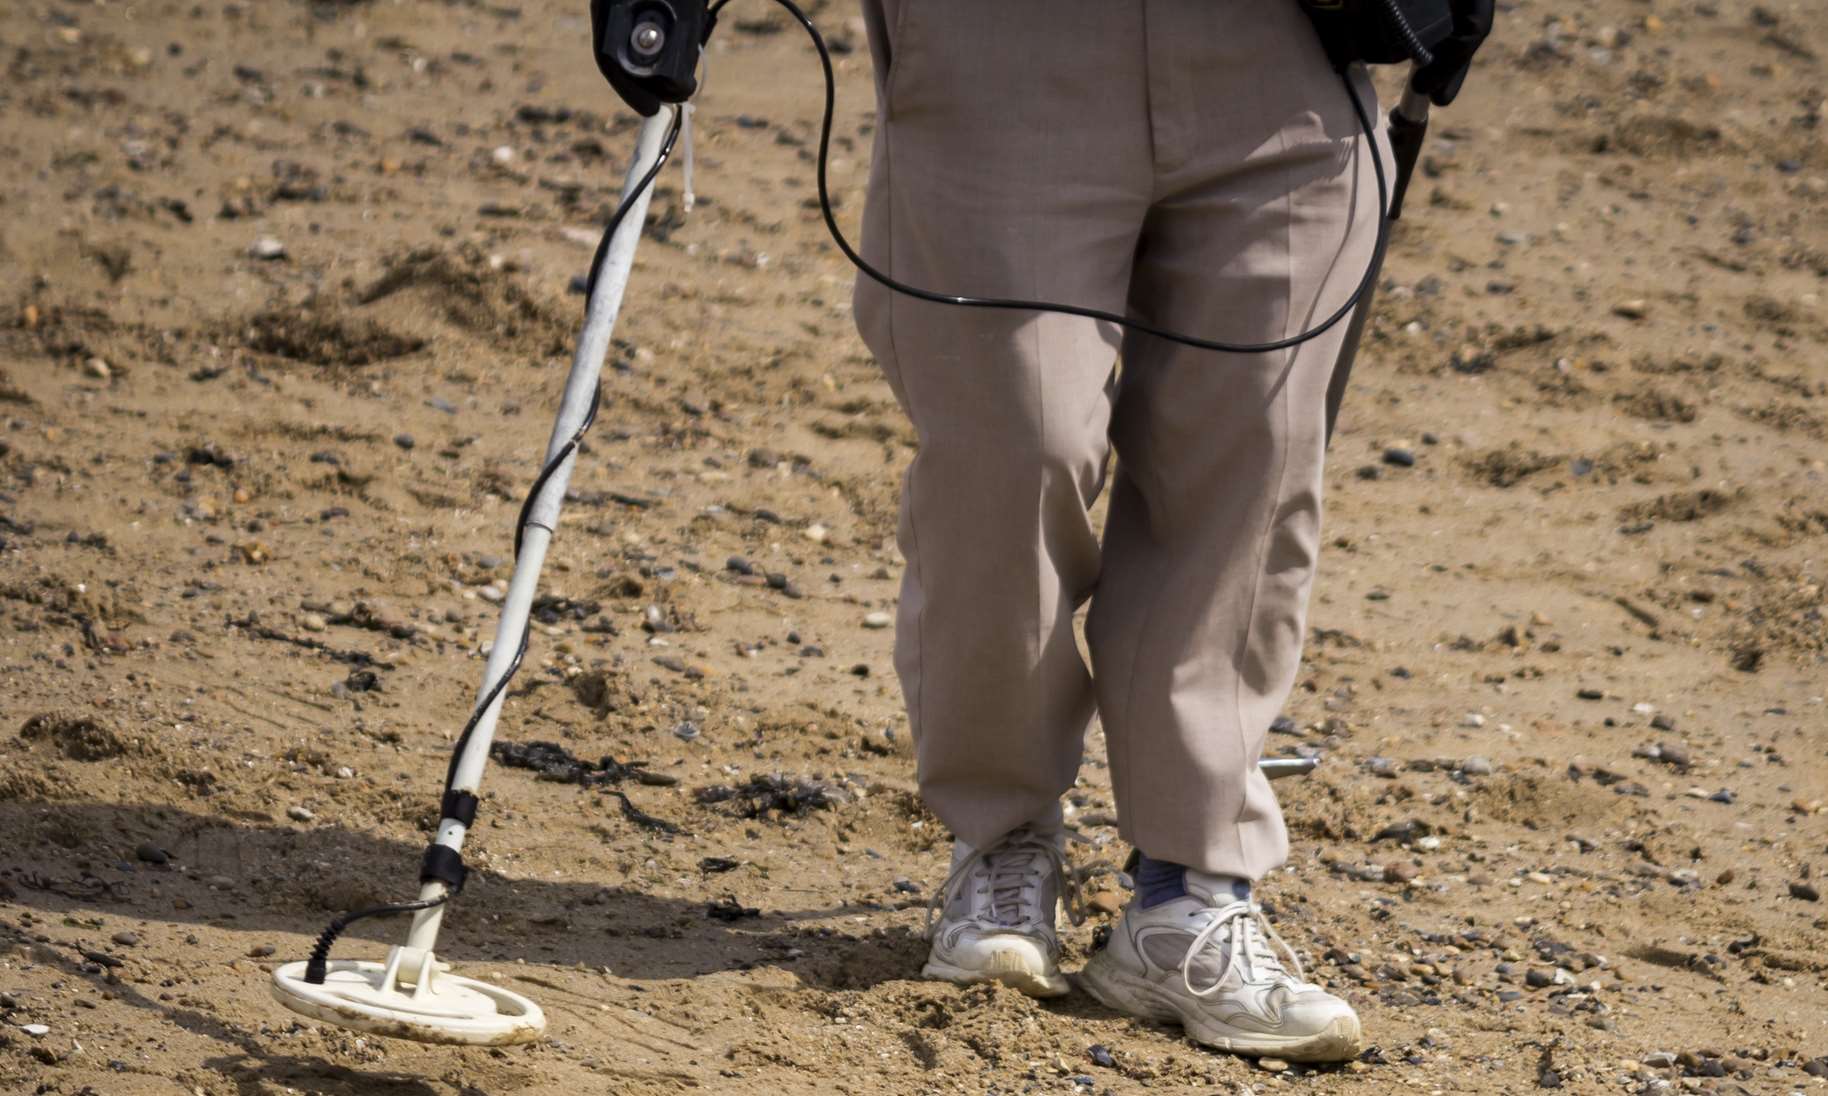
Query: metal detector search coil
{"x": 411, "y": 996}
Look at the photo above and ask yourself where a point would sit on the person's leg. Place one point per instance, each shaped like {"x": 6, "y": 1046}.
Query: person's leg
{"x": 1265, "y": 223}
{"x": 1011, "y": 159}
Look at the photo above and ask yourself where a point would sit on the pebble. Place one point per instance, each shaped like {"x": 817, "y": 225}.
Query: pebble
{"x": 1101, "y": 1056}
{"x": 299, "y": 814}
{"x": 267, "y": 249}
{"x": 1477, "y": 766}
{"x": 1660, "y": 1059}
{"x": 151, "y": 854}
{"x": 36, "y": 1031}
{"x": 686, "y": 731}
{"x": 1106, "y": 902}
{"x": 1272, "y": 1065}
{"x": 1805, "y": 892}
{"x": 404, "y": 441}
{"x": 312, "y": 622}
{"x": 126, "y": 939}
{"x": 490, "y": 593}
{"x": 1635, "y": 309}
{"x": 98, "y": 369}
{"x": 1402, "y": 458}
{"x": 878, "y": 620}
{"x": 1400, "y": 872}
{"x": 260, "y": 951}
{"x": 1538, "y": 978}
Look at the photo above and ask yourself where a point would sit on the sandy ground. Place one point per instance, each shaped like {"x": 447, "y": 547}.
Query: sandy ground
{"x": 284, "y": 313}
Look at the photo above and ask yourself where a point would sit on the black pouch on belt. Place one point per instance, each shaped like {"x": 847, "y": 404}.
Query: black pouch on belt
{"x": 1380, "y": 32}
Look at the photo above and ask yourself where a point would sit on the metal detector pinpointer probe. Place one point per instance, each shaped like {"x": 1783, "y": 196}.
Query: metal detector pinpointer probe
{"x": 1408, "y": 129}
{"x": 414, "y": 995}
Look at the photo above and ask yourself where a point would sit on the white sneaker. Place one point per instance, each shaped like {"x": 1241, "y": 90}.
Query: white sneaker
{"x": 1206, "y": 962}
{"x": 996, "y": 914}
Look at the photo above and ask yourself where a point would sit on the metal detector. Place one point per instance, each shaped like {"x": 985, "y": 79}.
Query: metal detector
{"x": 414, "y": 995}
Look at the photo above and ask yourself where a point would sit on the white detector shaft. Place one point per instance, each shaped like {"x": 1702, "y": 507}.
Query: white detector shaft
{"x": 412, "y": 995}
{"x": 543, "y": 517}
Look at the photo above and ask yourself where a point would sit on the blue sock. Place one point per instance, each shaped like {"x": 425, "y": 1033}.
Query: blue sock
{"x": 1159, "y": 881}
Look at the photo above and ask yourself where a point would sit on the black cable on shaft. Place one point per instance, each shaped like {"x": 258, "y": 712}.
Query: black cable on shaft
{"x": 317, "y": 968}
{"x": 857, "y": 260}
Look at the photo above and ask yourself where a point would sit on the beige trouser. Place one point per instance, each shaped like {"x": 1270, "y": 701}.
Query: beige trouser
{"x": 1193, "y": 162}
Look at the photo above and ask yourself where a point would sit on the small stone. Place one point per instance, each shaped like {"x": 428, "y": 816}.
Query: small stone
{"x": 818, "y": 533}
{"x": 1272, "y": 1065}
{"x": 686, "y": 731}
{"x": 878, "y": 620}
{"x": 299, "y": 814}
{"x": 739, "y": 565}
{"x": 267, "y": 249}
{"x": 1106, "y": 902}
{"x": 1101, "y": 1056}
{"x": 490, "y": 593}
{"x": 1590, "y": 694}
{"x": 1659, "y": 1059}
{"x": 1805, "y": 892}
{"x": 1724, "y": 878}
{"x": 404, "y": 441}
{"x": 1401, "y": 872}
{"x": 312, "y": 622}
{"x": 1635, "y": 309}
{"x": 1472, "y": 719}
{"x": 1477, "y": 766}
{"x": 36, "y": 1031}
{"x": 126, "y": 939}
{"x": 260, "y": 951}
{"x": 1402, "y": 458}
{"x": 1538, "y": 978}
{"x": 1549, "y": 1079}
{"x": 97, "y": 369}
{"x": 151, "y": 854}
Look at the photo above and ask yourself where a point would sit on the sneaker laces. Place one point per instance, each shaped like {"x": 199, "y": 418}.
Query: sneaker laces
{"x": 1014, "y": 865}
{"x": 1248, "y": 937}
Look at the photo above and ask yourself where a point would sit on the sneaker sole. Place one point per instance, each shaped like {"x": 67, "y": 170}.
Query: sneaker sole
{"x": 1122, "y": 991}
{"x": 1007, "y": 968}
